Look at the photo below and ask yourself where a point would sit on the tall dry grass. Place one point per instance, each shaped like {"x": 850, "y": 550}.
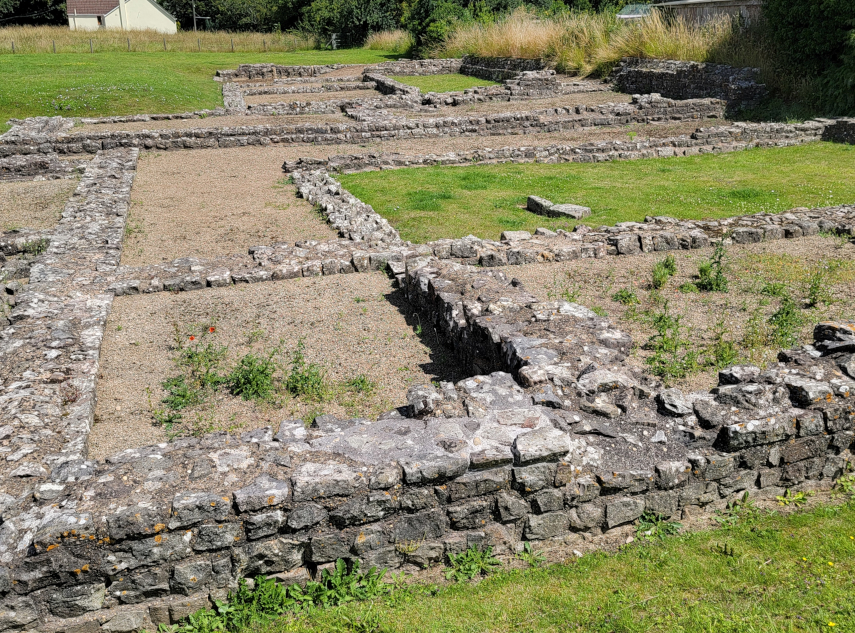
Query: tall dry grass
{"x": 398, "y": 41}
{"x": 42, "y": 39}
{"x": 586, "y": 43}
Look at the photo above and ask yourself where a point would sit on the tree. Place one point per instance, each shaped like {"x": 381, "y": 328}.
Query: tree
{"x": 32, "y": 12}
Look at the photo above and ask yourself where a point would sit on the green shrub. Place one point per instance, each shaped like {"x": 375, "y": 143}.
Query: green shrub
{"x": 775, "y": 289}
{"x": 663, "y": 270}
{"x": 306, "y": 379}
{"x": 252, "y": 379}
{"x": 473, "y": 562}
{"x": 818, "y": 282}
{"x": 786, "y": 323}
{"x": 672, "y": 358}
{"x": 361, "y": 384}
{"x": 722, "y": 352}
{"x": 711, "y": 276}
{"x": 625, "y": 296}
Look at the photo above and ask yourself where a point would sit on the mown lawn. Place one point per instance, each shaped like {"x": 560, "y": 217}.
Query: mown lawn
{"x": 434, "y": 202}
{"x": 766, "y": 574}
{"x": 105, "y": 84}
{"x": 444, "y": 83}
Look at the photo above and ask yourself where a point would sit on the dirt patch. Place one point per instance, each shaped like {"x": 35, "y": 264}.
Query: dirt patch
{"x": 304, "y": 97}
{"x": 33, "y": 204}
{"x": 350, "y": 324}
{"x": 214, "y": 202}
{"x": 741, "y": 314}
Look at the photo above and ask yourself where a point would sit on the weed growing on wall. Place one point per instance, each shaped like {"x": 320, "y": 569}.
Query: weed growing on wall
{"x": 471, "y": 563}
{"x": 711, "y": 277}
{"x": 663, "y": 271}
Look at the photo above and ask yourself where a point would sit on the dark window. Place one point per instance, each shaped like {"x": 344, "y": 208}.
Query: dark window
{"x": 100, "y": 20}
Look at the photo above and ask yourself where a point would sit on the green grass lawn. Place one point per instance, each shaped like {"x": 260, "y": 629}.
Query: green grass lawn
{"x": 767, "y": 573}
{"x": 444, "y": 83}
{"x": 105, "y": 84}
{"x": 434, "y": 202}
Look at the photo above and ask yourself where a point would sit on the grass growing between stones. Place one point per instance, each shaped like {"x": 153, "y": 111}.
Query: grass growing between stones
{"x": 757, "y": 571}
{"x": 434, "y": 202}
{"x": 107, "y": 84}
{"x": 444, "y": 83}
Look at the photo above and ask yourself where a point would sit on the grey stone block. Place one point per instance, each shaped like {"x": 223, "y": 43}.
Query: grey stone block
{"x": 624, "y": 510}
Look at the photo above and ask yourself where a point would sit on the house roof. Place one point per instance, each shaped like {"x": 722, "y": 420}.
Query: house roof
{"x": 91, "y": 7}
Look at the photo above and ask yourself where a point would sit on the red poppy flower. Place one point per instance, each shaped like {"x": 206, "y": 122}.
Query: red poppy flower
{"x": 192, "y": 338}
{"x": 211, "y": 329}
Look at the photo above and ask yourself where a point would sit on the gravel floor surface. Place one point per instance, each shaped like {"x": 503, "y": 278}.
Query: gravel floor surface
{"x": 212, "y": 202}
{"x": 33, "y": 204}
{"x": 312, "y": 96}
{"x": 593, "y": 282}
{"x": 350, "y": 324}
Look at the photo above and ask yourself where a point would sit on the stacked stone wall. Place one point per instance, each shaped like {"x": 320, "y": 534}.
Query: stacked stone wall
{"x": 690, "y": 80}
{"x": 647, "y": 109}
{"x": 417, "y": 67}
{"x": 498, "y": 68}
{"x": 561, "y": 444}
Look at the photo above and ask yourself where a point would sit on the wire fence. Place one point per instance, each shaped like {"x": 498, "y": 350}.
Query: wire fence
{"x": 59, "y": 39}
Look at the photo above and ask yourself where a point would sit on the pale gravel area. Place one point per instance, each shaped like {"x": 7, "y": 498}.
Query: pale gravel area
{"x": 350, "y": 324}
{"x": 213, "y": 202}
{"x": 234, "y": 120}
{"x": 304, "y": 97}
{"x": 592, "y": 282}
{"x": 33, "y": 204}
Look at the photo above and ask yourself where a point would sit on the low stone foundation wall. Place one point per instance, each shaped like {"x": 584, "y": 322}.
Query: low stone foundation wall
{"x": 498, "y": 68}
{"x": 417, "y": 67}
{"x": 690, "y": 80}
{"x": 389, "y": 86}
{"x": 704, "y": 140}
{"x": 39, "y": 167}
{"x": 276, "y": 71}
{"x": 554, "y": 438}
{"x": 839, "y": 130}
{"x": 646, "y": 109}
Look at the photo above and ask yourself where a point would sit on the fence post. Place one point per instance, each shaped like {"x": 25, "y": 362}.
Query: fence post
{"x": 199, "y": 43}
{"x": 264, "y": 43}
{"x": 54, "y": 46}
{"x": 233, "y": 45}
{"x": 164, "y": 43}
{"x": 13, "y": 46}
{"x": 129, "y": 45}
{"x": 91, "y": 50}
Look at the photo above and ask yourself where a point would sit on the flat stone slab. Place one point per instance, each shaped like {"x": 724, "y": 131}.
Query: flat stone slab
{"x": 542, "y": 206}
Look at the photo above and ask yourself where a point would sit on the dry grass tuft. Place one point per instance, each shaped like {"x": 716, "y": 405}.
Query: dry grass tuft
{"x": 398, "y": 41}
{"x": 41, "y": 39}
{"x": 586, "y": 43}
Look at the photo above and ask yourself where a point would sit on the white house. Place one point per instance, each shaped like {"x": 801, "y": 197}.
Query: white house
{"x": 126, "y": 15}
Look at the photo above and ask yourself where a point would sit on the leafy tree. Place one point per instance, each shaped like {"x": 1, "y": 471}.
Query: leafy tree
{"x": 32, "y": 12}
{"x": 811, "y": 34}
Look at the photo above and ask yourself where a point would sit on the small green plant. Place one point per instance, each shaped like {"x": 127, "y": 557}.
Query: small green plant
{"x": 306, "y": 379}
{"x": 36, "y": 247}
{"x": 711, "y": 277}
{"x": 599, "y": 311}
{"x": 671, "y": 358}
{"x": 632, "y": 135}
{"x": 252, "y": 379}
{"x": 531, "y": 556}
{"x": 722, "y": 352}
{"x": 797, "y": 499}
{"x": 625, "y": 296}
{"x": 663, "y": 270}
{"x": 652, "y": 526}
{"x": 786, "y": 323}
{"x": 473, "y": 562}
{"x": 845, "y": 486}
{"x": 817, "y": 284}
{"x": 737, "y": 511}
{"x": 775, "y": 289}
{"x": 568, "y": 290}
{"x": 361, "y": 384}
{"x": 688, "y": 287}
